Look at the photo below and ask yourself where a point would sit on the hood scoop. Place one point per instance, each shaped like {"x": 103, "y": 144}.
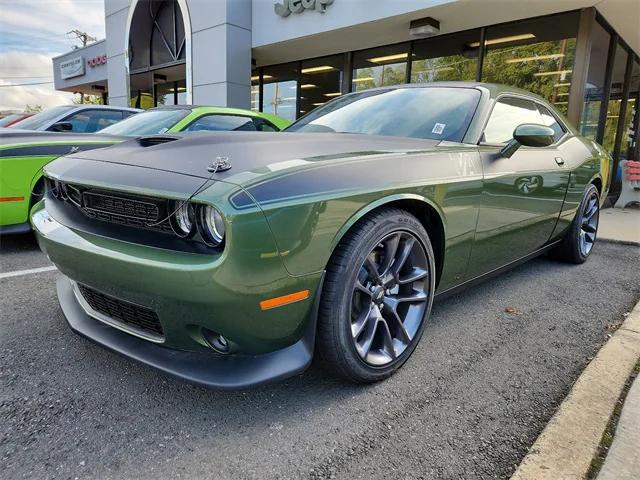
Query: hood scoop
{"x": 154, "y": 140}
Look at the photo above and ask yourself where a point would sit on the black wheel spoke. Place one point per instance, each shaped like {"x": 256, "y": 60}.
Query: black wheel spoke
{"x": 365, "y": 316}
{"x": 416, "y": 274}
{"x": 403, "y": 255}
{"x": 390, "y": 249}
{"x": 415, "y": 297}
{"x": 359, "y": 287}
{"x": 372, "y": 269}
{"x": 396, "y": 322}
{"x": 368, "y": 336}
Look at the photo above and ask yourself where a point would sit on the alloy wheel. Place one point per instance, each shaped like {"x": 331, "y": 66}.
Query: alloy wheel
{"x": 390, "y": 298}
{"x": 589, "y": 224}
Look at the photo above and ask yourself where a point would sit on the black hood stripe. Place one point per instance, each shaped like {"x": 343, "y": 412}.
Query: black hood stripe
{"x": 50, "y": 150}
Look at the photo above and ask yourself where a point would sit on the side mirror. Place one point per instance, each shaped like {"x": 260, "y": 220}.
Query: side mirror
{"x": 529, "y": 135}
{"x": 61, "y": 127}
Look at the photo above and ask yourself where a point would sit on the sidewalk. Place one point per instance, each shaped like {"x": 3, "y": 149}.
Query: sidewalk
{"x": 623, "y": 459}
{"x": 620, "y": 224}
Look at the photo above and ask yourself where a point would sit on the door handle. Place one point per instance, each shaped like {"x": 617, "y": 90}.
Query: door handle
{"x": 560, "y": 161}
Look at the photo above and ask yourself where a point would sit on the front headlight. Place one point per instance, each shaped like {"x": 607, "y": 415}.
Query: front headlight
{"x": 211, "y": 225}
{"x": 182, "y": 219}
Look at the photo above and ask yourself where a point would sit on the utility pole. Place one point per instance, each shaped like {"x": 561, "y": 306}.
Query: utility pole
{"x": 85, "y": 38}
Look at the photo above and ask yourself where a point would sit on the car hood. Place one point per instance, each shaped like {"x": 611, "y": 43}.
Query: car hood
{"x": 250, "y": 154}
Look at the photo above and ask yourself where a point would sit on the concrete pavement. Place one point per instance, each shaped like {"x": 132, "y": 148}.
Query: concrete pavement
{"x": 620, "y": 224}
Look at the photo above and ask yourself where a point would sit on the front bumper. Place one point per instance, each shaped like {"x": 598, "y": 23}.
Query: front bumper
{"x": 189, "y": 293}
{"x": 201, "y": 368}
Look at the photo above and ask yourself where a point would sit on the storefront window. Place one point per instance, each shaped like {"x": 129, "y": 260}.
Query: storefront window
{"x": 380, "y": 67}
{"x": 615, "y": 99}
{"x": 280, "y": 89}
{"x": 445, "y": 58}
{"x": 594, "y": 88}
{"x": 255, "y": 90}
{"x": 535, "y": 55}
{"x": 320, "y": 81}
{"x": 632, "y": 117}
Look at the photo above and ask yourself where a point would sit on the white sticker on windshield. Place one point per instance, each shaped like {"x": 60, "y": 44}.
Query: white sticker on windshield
{"x": 438, "y": 128}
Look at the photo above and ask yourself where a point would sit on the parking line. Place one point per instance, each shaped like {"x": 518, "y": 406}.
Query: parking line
{"x": 18, "y": 273}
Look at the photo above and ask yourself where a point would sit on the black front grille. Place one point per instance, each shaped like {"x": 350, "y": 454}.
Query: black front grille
{"x": 127, "y": 313}
{"x": 123, "y": 206}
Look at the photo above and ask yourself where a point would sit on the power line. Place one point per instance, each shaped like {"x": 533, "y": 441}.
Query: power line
{"x": 25, "y": 84}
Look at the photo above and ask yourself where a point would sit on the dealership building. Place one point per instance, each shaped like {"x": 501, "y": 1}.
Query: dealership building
{"x": 291, "y": 56}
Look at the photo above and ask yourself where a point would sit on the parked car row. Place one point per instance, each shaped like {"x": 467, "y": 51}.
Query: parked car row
{"x": 33, "y": 142}
{"x": 230, "y": 258}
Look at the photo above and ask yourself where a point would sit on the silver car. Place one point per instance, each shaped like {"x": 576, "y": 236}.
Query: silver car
{"x": 76, "y": 118}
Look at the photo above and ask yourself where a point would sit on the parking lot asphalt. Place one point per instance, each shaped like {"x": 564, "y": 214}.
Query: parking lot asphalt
{"x": 474, "y": 396}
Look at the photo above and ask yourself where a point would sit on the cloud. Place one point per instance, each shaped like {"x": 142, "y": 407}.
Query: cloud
{"x": 33, "y": 31}
{"x": 30, "y": 67}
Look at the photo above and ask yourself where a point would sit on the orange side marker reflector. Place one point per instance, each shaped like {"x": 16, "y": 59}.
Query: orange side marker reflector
{"x": 11, "y": 199}
{"x": 284, "y": 300}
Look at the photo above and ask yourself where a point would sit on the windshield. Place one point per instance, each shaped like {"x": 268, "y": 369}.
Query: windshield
{"x": 41, "y": 120}
{"x": 147, "y": 123}
{"x": 437, "y": 113}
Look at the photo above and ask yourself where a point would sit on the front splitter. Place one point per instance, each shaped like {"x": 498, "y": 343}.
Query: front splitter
{"x": 205, "y": 369}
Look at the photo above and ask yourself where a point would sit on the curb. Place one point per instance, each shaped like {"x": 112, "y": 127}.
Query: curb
{"x": 570, "y": 440}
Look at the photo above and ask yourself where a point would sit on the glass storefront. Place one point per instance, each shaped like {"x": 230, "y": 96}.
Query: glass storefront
{"x": 594, "y": 87}
{"x": 535, "y": 55}
{"x": 280, "y": 90}
{"x": 629, "y": 141}
{"x": 452, "y": 57}
{"x": 320, "y": 81}
{"x": 380, "y": 67}
{"x": 612, "y": 116}
{"x": 157, "y": 51}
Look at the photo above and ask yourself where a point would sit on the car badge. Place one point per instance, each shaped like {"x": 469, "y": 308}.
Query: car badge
{"x": 220, "y": 165}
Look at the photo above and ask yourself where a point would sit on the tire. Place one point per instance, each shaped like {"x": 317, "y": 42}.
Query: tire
{"x": 578, "y": 242}
{"x": 373, "y": 309}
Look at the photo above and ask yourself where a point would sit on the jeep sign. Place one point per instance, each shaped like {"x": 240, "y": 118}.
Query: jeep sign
{"x": 287, "y": 7}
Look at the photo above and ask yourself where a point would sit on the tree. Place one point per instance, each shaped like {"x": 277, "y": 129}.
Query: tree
{"x": 33, "y": 109}
{"x": 88, "y": 100}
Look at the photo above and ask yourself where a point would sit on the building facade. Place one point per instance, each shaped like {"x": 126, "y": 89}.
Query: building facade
{"x": 291, "y": 56}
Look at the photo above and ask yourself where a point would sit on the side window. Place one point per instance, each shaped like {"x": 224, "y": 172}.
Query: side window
{"x": 89, "y": 121}
{"x": 221, "y": 123}
{"x": 507, "y": 114}
{"x": 263, "y": 125}
{"x": 550, "y": 121}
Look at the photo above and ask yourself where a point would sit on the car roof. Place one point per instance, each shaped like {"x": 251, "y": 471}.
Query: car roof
{"x": 106, "y": 107}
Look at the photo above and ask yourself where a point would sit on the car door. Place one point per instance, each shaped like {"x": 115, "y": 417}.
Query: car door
{"x": 523, "y": 194}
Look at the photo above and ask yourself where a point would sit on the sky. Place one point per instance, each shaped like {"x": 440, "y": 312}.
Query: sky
{"x": 33, "y": 31}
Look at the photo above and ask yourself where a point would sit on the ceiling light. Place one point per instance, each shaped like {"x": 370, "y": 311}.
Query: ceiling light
{"x": 556, "y": 72}
{"x": 566, "y": 94}
{"x": 551, "y": 56}
{"x": 318, "y": 104}
{"x": 496, "y": 41}
{"x": 560, "y": 103}
{"x": 388, "y": 58}
{"x": 425, "y": 27}
{"x": 307, "y": 86}
{"x": 334, "y": 94}
{"x": 264, "y": 77}
{"x": 559, "y": 85}
{"x": 362, "y": 79}
{"x": 323, "y": 68}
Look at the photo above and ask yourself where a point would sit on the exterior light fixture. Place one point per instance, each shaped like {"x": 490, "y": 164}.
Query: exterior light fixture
{"x": 424, "y": 27}
{"x": 388, "y": 58}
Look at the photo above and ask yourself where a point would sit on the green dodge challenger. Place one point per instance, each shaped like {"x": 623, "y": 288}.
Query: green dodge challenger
{"x": 24, "y": 153}
{"x": 229, "y": 259}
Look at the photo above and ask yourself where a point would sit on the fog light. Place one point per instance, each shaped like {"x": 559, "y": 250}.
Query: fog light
{"x": 216, "y": 341}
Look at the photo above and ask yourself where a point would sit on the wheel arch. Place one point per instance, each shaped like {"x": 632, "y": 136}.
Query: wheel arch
{"x": 428, "y": 213}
